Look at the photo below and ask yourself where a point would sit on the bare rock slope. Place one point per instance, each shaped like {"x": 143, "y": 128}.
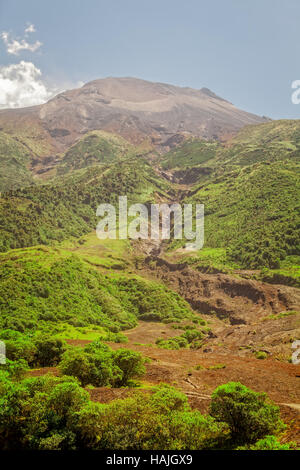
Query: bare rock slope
{"x": 134, "y": 108}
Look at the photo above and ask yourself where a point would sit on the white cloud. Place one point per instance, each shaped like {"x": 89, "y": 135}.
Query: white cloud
{"x": 21, "y": 85}
{"x": 30, "y": 29}
{"x": 14, "y": 46}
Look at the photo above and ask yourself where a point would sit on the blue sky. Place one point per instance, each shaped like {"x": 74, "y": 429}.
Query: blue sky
{"x": 247, "y": 51}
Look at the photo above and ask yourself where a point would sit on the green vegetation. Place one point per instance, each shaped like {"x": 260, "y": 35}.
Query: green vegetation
{"x": 214, "y": 367}
{"x": 14, "y": 163}
{"x": 251, "y": 194}
{"x": 38, "y": 350}
{"x": 252, "y": 213}
{"x": 59, "y": 282}
{"x": 67, "y": 207}
{"x": 190, "y": 338}
{"x": 96, "y": 147}
{"x": 280, "y": 315}
{"x": 249, "y": 415}
{"x": 189, "y": 154}
{"x": 271, "y": 141}
{"x": 261, "y": 355}
{"x": 217, "y": 367}
{"x": 99, "y": 365}
{"x": 269, "y": 443}
{"x": 44, "y": 288}
{"x": 55, "y": 413}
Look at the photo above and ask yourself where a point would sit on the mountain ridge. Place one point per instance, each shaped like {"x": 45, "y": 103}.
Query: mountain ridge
{"x": 133, "y": 108}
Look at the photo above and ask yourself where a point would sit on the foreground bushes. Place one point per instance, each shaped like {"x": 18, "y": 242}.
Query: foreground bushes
{"x": 56, "y": 413}
{"x": 250, "y": 415}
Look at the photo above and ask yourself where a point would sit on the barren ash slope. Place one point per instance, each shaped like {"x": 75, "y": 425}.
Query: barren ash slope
{"x": 133, "y": 108}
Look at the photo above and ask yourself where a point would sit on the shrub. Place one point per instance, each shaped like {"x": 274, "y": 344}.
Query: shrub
{"x": 49, "y": 350}
{"x": 15, "y": 369}
{"x": 190, "y": 338}
{"x": 271, "y": 443}
{"x": 98, "y": 365}
{"x": 38, "y": 413}
{"x": 163, "y": 420}
{"x": 249, "y": 414}
{"x": 131, "y": 364}
{"x": 42, "y": 350}
{"x": 261, "y": 355}
{"x": 18, "y": 346}
{"x": 90, "y": 367}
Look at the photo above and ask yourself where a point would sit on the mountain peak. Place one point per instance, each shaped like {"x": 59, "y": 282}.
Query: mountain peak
{"x": 135, "y": 109}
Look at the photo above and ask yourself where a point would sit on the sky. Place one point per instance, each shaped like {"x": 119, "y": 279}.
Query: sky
{"x": 246, "y": 51}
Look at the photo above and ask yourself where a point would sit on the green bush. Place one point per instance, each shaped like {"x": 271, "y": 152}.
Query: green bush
{"x": 18, "y": 346}
{"x": 163, "y": 420}
{"x": 55, "y": 413}
{"x": 190, "y": 338}
{"x": 261, "y": 355}
{"x": 38, "y": 351}
{"x": 269, "y": 443}
{"x": 94, "y": 368}
{"x": 49, "y": 350}
{"x": 131, "y": 363}
{"x": 37, "y": 413}
{"x": 99, "y": 365}
{"x": 249, "y": 414}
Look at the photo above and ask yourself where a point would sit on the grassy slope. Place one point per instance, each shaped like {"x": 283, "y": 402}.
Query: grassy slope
{"x": 251, "y": 194}
{"x": 14, "y": 162}
{"x": 96, "y": 147}
{"x": 27, "y": 130}
{"x": 44, "y": 287}
{"x": 67, "y": 207}
{"x": 272, "y": 141}
{"x": 22, "y": 140}
{"x": 252, "y": 201}
{"x": 191, "y": 153}
{"x": 253, "y": 214}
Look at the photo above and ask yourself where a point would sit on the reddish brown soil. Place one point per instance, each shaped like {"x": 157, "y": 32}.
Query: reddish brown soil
{"x": 43, "y": 371}
{"x": 280, "y": 380}
{"x": 241, "y": 301}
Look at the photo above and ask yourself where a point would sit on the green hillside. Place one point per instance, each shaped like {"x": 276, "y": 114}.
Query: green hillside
{"x": 96, "y": 147}
{"x": 14, "y": 163}
{"x": 251, "y": 197}
{"x": 272, "y": 141}
{"x": 43, "y": 288}
{"x": 253, "y": 213}
{"x": 191, "y": 153}
{"x": 67, "y": 207}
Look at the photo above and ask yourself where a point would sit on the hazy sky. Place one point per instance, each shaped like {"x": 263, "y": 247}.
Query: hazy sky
{"x": 247, "y": 51}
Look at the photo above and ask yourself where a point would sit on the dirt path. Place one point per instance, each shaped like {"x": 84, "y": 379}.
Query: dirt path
{"x": 295, "y": 406}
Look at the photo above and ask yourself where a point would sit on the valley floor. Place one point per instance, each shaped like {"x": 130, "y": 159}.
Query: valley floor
{"x": 197, "y": 374}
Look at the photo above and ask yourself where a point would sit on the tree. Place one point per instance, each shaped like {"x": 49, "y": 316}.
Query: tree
{"x": 144, "y": 421}
{"x": 90, "y": 367}
{"x": 18, "y": 346}
{"x": 250, "y": 415}
{"x": 131, "y": 364}
{"x": 49, "y": 350}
